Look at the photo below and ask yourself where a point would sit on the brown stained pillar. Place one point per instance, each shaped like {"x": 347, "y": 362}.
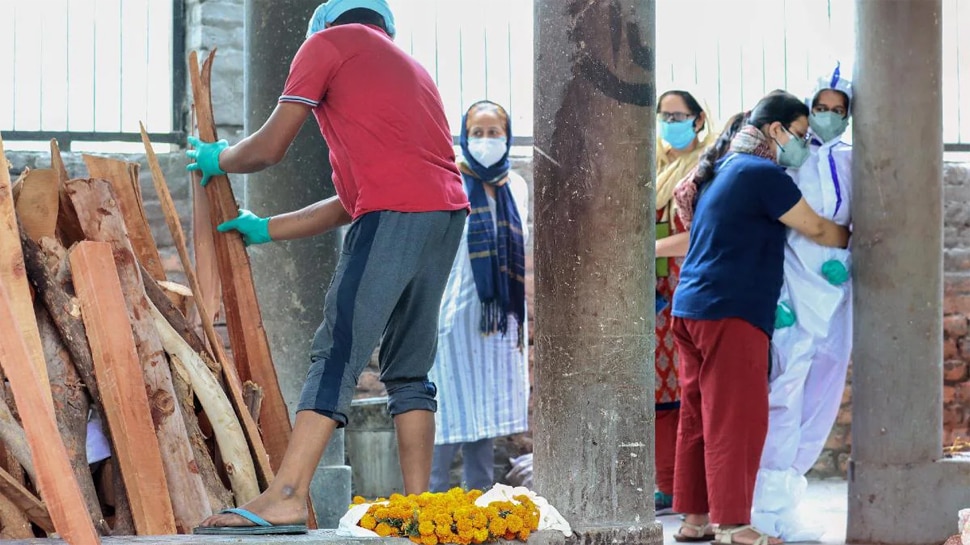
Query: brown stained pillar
{"x": 291, "y": 277}
{"x": 899, "y": 490}
{"x": 594, "y": 174}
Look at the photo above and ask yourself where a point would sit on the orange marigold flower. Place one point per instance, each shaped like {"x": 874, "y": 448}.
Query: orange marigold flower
{"x": 442, "y": 518}
{"x": 481, "y": 535}
{"x": 426, "y": 528}
{"x": 524, "y": 534}
{"x": 429, "y": 540}
{"x": 514, "y": 522}
{"x": 497, "y": 526}
{"x": 384, "y": 529}
{"x": 359, "y": 500}
{"x": 415, "y": 539}
{"x": 367, "y": 522}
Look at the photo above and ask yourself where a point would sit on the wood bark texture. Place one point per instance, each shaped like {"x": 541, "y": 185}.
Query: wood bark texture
{"x": 102, "y": 221}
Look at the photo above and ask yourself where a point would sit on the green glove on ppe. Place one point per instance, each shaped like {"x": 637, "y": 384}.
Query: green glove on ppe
{"x": 206, "y": 156}
{"x": 784, "y": 316}
{"x": 835, "y": 272}
{"x": 254, "y": 229}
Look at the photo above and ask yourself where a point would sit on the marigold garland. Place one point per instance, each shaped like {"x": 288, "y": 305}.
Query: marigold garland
{"x": 450, "y": 517}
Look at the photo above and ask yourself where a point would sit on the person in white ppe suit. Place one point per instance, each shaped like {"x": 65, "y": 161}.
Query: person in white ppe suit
{"x": 813, "y": 329}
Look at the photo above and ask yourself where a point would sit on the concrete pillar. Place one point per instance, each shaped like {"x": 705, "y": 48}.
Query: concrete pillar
{"x": 899, "y": 490}
{"x": 594, "y": 173}
{"x": 291, "y": 277}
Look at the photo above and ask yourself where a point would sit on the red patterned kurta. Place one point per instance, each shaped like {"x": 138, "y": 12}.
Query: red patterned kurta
{"x": 665, "y": 354}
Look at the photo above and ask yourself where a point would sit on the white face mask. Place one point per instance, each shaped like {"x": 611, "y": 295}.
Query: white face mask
{"x": 487, "y": 151}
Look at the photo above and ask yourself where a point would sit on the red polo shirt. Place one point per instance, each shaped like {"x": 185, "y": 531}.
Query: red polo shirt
{"x": 382, "y": 117}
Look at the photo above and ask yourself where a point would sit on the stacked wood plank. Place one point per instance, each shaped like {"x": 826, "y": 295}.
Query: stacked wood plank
{"x": 94, "y": 333}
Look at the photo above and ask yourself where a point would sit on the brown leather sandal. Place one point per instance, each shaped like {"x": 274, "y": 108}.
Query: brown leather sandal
{"x": 701, "y": 533}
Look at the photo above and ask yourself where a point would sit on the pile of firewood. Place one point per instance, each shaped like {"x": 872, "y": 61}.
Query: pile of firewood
{"x": 94, "y": 337}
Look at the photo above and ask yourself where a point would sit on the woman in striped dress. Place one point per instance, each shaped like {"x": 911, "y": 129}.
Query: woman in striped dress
{"x": 481, "y": 368}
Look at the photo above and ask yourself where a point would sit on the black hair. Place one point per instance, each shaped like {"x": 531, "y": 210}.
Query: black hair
{"x": 361, "y": 16}
{"x": 778, "y": 106}
{"x": 717, "y": 150}
{"x": 845, "y": 99}
{"x": 692, "y": 104}
{"x": 714, "y": 152}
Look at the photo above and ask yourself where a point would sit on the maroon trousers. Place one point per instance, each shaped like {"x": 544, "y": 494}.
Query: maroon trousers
{"x": 723, "y": 417}
{"x": 665, "y": 445}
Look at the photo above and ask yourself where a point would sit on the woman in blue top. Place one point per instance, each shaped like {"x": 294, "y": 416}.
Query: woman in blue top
{"x": 724, "y": 313}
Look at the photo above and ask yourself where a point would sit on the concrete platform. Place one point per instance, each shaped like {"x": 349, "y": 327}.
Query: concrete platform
{"x": 314, "y": 537}
{"x": 826, "y": 502}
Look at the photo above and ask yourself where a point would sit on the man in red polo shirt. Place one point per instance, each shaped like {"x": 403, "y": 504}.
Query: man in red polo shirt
{"x": 396, "y": 180}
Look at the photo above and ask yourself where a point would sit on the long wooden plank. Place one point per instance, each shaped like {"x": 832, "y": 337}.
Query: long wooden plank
{"x": 263, "y": 469}
{"x": 35, "y": 509}
{"x": 123, "y": 177}
{"x": 37, "y": 205}
{"x": 55, "y": 479}
{"x": 14, "y": 278}
{"x": 250, "y": 347}
{"x": 122, "y": 387}
{"x": 102, "y": 221}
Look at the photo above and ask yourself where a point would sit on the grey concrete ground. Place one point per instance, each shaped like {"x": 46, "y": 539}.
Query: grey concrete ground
{"x": 825, "y": 502}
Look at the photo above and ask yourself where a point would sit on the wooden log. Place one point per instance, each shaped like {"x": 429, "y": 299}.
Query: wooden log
{"x": 64, "y": 310}
{"x": 71, "y": 409}
{"x": 35, "y": 510}
{"x": 219, "y": 495}
{"x": 54, "y": 477}
{"x": 250, "y": 347}
{"x": 68, "y": 228}
{"x": 123, "y": 177}
{"x": 179, "y": 295}
{"x": 253, "y": 395}
{"x": 237, "y": 461}
{"x": 113, "y": 492}
{"x": 18, "y": 184}
{"x": 14, "y": 278}
{"x": 126, "y": 405}
{"x": 264, "y": 470}
{"x": 38, "y": 203}
{"x": 157, "y": 295}
{"x": 13, "y": 522}
{"x": 102, "y": 221}
{"x": 14, "y": 438}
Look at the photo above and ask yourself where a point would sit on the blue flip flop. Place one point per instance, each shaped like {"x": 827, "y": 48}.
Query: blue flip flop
{"x": 261, "y": 526}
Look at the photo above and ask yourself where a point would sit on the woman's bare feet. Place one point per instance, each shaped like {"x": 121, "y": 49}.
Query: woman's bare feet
{"x": 278, "y": 507}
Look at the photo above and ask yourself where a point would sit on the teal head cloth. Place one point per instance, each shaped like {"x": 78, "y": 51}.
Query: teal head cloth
{"x": 328, "y": 12}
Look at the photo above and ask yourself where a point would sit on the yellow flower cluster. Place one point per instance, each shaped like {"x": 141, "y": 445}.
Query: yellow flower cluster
{"x": 450, "y": 517}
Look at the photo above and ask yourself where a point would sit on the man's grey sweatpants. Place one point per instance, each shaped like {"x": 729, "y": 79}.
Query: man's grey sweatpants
{"x": 387, "y": 288}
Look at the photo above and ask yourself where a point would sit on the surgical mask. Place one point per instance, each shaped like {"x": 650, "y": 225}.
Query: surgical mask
{"x": 794, "y": 153}
{"x": 827, "y": 125}
{"x": 679, "y": 134}
{"x": 487, "y": 151}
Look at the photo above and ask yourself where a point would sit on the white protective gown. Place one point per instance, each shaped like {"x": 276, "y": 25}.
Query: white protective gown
{"x": 809, "y": 359}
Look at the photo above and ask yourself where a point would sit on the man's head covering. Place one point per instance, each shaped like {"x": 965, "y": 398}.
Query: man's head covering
{"x": 328, "y": 12}
{"x": 834, "y": 82}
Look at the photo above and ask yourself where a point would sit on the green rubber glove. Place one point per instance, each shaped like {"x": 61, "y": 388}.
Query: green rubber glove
{"x": 254, "y": 229}
{"x": 784, "y": 316}
{"x": 835, "y": 272}
{"x": 206, "y": 156}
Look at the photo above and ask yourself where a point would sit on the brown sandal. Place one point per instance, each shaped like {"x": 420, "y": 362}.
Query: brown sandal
{"x": 701, "y": 533}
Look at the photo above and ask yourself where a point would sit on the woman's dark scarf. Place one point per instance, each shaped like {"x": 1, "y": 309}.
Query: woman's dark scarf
{"x": 497, "y": 259}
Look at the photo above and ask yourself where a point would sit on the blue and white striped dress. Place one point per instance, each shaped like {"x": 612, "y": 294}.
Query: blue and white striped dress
{"x": 483, "y": 381}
